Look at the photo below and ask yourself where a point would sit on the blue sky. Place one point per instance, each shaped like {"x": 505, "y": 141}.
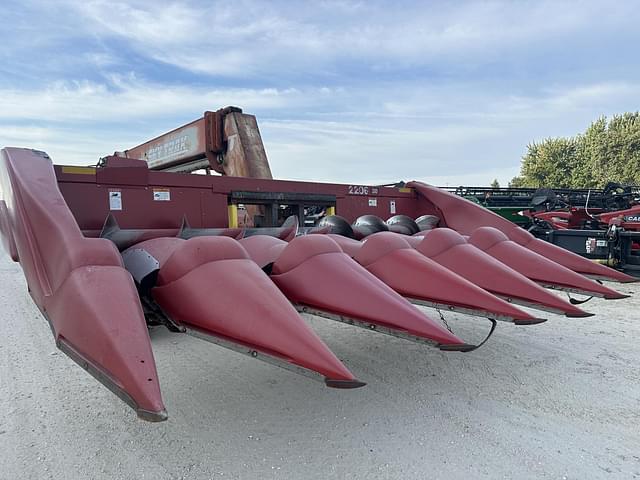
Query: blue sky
{"x": 356, "y": 92}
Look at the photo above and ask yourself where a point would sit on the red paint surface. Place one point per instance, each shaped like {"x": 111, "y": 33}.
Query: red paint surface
{"x": 312, "y": 270}
{"x": 533, "y": 265}
{"x": 465, "y": 217}
{"x": 392, "y": 259}
{"x": 210, "y": 283}
{"x": 451, "y": 250}
{"x": 78, "y": 283}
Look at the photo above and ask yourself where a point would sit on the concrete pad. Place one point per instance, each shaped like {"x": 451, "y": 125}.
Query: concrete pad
{"x": 557, "y": 400}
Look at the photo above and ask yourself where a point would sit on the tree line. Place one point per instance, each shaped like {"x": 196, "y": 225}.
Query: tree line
{"x": 608, "y": 151}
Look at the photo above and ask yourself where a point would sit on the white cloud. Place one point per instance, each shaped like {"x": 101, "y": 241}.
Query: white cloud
{"x": 126, "y": 99}
{"x": 65, "y": 146}
{"x": 343, "y": 91}
{"x": 249, "y": 38}
{"x": 433, "y": 134}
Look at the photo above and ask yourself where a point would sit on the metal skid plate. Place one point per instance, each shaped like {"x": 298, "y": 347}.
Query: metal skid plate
{"x": 270, "y": 359}
{"x": 366, "y": 325}
{"x": 475, "y": 313}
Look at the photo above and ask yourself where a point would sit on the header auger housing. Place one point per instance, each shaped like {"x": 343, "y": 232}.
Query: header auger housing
{"x": 108, "y": 250}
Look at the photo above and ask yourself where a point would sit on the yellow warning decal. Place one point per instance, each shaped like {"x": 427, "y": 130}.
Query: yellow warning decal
{"x": 405, "y": 190}
{"x": 79, "y": 170}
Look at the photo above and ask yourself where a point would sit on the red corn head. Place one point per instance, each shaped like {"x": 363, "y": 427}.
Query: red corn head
{"x": 568, "y": 259}
{"x": 211, "y": 287}
{"x": 314, "y": 273}
{"x": 535, "y": 266}
{"x": 114, "y": 346}
{"x": 464, "y": 217}
{"x": 392, "y": 259}
{"x": 263, "y": 249}
{"x": 452, "y": 251}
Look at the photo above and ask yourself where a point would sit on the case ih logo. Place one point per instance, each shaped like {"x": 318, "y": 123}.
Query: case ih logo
{"x": 632, "y": 218}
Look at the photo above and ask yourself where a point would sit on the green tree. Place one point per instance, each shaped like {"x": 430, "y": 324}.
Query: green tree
{"x": 517, "y": 182}
{"x": 549, "y": 163}
{"x": 608, "y": 151}
{"x": 495, "y": 183}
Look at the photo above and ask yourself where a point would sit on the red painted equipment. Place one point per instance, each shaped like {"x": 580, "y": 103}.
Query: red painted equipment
{"x": 392, "y": 259}
{"x": 313, "y": 272}
{"x": 226, "y": 141}
{"x": 465, "y": 217}
{"x": 452, "y": 251}
{"x": 209, "y": 287}
{"x": 6, "y": 236}
{"x": 592, "y": 218}
{"x": 535, "y": 266}
{"x": 108, "y": 250}
{"x": 79, "y": 284}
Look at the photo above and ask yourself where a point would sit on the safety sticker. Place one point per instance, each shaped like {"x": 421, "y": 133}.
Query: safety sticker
{"x": 115, "y": 200}
{"x": 161, "y": 194}
{"x": 373, "y": 202}
{"x": 392, "y": 207}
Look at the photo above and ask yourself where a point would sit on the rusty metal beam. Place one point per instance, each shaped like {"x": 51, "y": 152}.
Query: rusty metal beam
{"x": 196, "y": 145}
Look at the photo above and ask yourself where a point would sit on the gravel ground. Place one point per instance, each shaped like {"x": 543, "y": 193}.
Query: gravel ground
{"x": 557, "y": 400}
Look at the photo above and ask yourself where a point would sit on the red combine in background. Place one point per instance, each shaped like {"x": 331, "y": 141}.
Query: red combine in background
{"x": 602, "y": 225}
{"x": 233, "y": 258}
